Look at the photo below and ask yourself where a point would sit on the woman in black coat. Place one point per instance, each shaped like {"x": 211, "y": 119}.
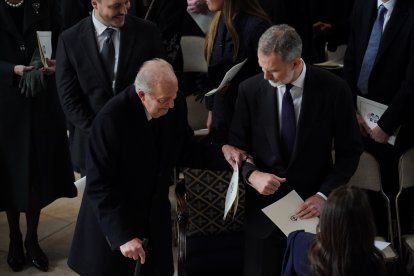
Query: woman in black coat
{"x": 232, "y": 37}
{"x": 34, "y": 158}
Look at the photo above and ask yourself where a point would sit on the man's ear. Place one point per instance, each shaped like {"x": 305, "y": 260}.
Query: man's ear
{"x": 141, "y": 95}
{"x": 94, "y": 4}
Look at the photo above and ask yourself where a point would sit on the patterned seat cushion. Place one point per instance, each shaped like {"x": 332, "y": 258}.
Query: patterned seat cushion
{"x": 206, "y": 194}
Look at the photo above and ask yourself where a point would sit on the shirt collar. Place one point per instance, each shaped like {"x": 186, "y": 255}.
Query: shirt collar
{"x": 389, "y": 5}
{"x": 99, "y": 26}
{"x": 300, "y": 81}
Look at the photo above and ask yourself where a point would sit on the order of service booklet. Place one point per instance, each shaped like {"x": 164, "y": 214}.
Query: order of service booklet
{"x": 371, "y": 112}
{"x": 44, "y": 40}
{"x": 227, "y": 77}
{"x": 232, "y": 196}
{"x": 282, "y": 213}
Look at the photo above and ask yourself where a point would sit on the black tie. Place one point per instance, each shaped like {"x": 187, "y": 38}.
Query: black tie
{"x": 108, "y": 53}
{"x": 288, "y": 130}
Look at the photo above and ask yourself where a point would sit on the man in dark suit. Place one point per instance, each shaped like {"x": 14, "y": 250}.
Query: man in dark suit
{"x": 322, "y": 114}
{"x": 390, "y": 82}
{"x": 84, "y": 85}
{"x": 135, "y": 141}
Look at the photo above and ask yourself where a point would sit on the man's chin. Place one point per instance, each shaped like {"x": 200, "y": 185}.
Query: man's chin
{"x": 118, "y": 22}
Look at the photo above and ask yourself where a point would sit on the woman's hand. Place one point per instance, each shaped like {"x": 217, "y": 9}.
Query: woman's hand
{"x": 51, "y": 67}
{"x": 20, "y": 69}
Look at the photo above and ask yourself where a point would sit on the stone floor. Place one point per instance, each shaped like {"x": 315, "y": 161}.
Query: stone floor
{"x": 56, "y": 227}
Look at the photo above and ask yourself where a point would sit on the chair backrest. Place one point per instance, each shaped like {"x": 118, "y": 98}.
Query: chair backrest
{"x": 406, "y": 169}
{"x": 206, "y": 194}
{"x": 368, "y": 177}
{"x": 193, "y": 54}
{"x": 207, "y": 244}
{"x": 406, "y": 179}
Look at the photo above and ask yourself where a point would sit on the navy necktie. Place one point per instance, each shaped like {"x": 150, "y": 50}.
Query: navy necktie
{"x": 371, "y": 51}
{"x": 108, "y": 53}
{"x": 288, "y": 129}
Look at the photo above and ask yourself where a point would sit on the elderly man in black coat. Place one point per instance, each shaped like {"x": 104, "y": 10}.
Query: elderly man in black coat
{"x": 135, "y": 142}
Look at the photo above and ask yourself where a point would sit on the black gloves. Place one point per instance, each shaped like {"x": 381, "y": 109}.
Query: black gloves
{"x": 33, "y": 82}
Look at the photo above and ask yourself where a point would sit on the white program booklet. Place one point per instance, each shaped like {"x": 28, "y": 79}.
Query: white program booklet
{"x": 80, "y": 182}
{"x": 371, "y": 112}
{"x": 282, "y": 213}
{"x": 228, "y": 77}
{"x": 232, "y": 196}
{"x": 44, "y": 40}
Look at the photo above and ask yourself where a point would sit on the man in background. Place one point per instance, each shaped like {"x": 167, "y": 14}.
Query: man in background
{"x": 96, "y": 59}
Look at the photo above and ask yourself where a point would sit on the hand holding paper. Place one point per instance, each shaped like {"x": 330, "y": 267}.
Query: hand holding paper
{"x": 282, "y": 213}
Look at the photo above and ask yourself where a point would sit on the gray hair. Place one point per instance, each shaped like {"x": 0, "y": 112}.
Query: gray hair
{"x": 282, "y": 40}
{"x": 150, "y": 74}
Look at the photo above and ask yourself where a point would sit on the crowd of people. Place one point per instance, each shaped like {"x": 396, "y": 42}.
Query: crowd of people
{"x": 113, "y": 85}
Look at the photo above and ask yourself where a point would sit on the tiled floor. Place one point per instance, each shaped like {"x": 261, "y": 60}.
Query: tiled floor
{"x": 57, "y": 223}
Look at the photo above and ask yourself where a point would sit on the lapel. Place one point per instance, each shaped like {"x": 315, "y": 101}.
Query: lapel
{"x": 269, "y": 117}
{"x": 393, "y": 27}
{"x": 308, "y": 112}
{"x": 127, "y": 45}
{"x": 87, "y": 38}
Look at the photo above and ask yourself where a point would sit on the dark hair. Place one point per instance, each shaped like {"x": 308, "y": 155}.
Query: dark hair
{"x": 228, "y": 12}
{"x": 344, "y": 244}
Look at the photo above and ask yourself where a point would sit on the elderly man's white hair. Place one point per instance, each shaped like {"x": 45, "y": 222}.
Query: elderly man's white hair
{"x": 151, "y": 73}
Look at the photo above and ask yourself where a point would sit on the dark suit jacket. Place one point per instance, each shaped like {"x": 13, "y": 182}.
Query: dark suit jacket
{"x": 327, "y": 118}
{"x": 128, "y": 177}
{"x": 391, "y": 81}
{"x": 81, "y": 80}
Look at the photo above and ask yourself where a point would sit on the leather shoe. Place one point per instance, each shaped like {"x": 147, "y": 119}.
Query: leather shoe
{"x": 15, "y": 257}
{"x": 36, "y": 256}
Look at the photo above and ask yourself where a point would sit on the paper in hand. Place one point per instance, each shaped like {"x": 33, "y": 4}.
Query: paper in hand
{"x": 232, "y": 196}
{"x": 371, "y": 112}
{"x": 44, "y": 40}
{"x": 282, "y": 213}
{"x": 228, "y": 77}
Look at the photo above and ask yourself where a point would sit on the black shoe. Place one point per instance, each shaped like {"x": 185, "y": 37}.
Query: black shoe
{"x": 36, "y": 256}
{"x": 15, "y": 257}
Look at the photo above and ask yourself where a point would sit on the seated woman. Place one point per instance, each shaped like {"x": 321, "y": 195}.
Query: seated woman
{"x": 344, "y": 244}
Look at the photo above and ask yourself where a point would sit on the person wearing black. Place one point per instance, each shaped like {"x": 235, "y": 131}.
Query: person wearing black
{"x": 84, "y": 80}
{"x": 289, "y": 118}
{"x": 35, "y": 164}
{"x": 384, "y": 77}
{"x": 135, "y": 142}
